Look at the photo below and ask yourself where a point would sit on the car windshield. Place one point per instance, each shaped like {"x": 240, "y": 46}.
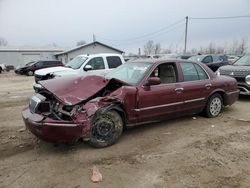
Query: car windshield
{"x": 29, "y": 63}
{"x": 243, "y": 61}
{"x": 196, "y": 58}
{"x": 77, "y": 62}
{"x": 131, "y": 73}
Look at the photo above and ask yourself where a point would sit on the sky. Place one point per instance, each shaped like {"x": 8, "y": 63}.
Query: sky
{"x": 123, "y": 24}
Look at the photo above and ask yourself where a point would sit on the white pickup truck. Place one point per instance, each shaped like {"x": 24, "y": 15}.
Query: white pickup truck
{"x": 95, "y": 64}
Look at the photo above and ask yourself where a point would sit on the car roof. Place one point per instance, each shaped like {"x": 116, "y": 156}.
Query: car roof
{"x": 156, "y": 61}
{"x": 100, "y": 54}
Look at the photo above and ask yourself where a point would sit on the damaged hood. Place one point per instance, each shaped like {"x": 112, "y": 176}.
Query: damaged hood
{"x": 74, "y": 90}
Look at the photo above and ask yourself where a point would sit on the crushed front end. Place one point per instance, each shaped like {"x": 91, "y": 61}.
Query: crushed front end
{"x": 52, "y": 121}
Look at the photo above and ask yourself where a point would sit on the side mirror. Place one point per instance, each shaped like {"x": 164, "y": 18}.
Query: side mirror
{"x": 88, "y": 67}
{"x": 152, "y": 81}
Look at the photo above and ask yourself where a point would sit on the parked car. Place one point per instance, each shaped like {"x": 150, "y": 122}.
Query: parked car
{"x": 30, "y": 67}
{"x": 97, "y": 108}
{"x": 240, "y": 70}
{"x": 232, "y": 58}
{"x": 96, "y": 64}
{"x": 2, "y": 68}
{"x": 212, "y": 61}
{"x": 162, "y": 56}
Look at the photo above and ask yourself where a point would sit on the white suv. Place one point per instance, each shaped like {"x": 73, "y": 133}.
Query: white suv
{"x": 95, "y": 64}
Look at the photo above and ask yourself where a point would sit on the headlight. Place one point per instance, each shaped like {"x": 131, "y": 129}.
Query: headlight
{"x": 217, "y": 72}
{"x": 247, "y": 79}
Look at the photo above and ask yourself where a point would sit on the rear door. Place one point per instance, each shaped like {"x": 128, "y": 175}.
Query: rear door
{"x": 113, "y": 61}
{"x": 196, "y": 86}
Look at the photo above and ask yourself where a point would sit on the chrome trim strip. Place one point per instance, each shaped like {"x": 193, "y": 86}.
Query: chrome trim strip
{"x": 194, "y": 100}
{"x": 60, "y": 124}
{"x": 170, "y": 104}
{"x": 158, "y": 106}
{"x": 233, "y": 92}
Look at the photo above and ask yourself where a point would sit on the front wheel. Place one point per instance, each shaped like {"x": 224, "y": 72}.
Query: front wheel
{"x": 214, "y": 106}
{"x": 106, "y": 129}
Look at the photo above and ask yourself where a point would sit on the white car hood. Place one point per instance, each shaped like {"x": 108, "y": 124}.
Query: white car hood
{"x": 43, "y": 72}
{"x": 73, "y": 73}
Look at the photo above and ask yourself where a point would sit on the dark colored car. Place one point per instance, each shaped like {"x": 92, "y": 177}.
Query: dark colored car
{"x": 30, "y": 67}
{"x": 212, "y": 61}
{"x": 97, "y": 109}
{"x": 240, "y": 70}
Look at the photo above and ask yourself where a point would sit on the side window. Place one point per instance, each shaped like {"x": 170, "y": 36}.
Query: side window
{"x": 207, "y": 59}
{"x": 189, "y": 72}
{"x": 216, "y": 59}
{"x": 113, "y": 61}
{"x": 201, "y": 73}
{"x": 96, "y": 63}
{"x": 39, "y": 64}
{"x": 166, "y": 72}
{"x": 47, "y": 63}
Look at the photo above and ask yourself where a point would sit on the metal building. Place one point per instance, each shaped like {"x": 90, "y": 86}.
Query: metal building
{"x": 10, "y": 56}
{"x": 91, "y": 48}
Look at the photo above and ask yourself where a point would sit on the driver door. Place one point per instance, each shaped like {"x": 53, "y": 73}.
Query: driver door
{"x": 160, "y": 101}
{"x": 98, "y": 66}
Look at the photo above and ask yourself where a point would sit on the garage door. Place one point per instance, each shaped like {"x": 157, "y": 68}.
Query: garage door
{"x": 30, "y": 57}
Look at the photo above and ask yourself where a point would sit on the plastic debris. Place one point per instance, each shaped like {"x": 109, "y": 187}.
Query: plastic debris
{"x": 21, "y": 130}
{"x": 96, "y": 175}
{"x": 12, "y": 137}
{"x": 212, "y": 126}
{"x": 194, "y": 118}
{"x": 167, "y": 133}
{"x": 245, "y": 120}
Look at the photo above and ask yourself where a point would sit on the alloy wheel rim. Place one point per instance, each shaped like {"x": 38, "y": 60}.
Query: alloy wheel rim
{"x": 215, "y": 106}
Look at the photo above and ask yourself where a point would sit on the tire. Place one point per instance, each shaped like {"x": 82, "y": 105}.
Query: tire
{"x": 214, "y": 106}
{"x": 30, "y": 73}
{"x": 106, "y": 129}
{"x": 1, "y": 70}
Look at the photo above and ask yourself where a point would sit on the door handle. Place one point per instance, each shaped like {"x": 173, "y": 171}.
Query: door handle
{"x": 179, "y": 90}
{"x": 208, "y": 86}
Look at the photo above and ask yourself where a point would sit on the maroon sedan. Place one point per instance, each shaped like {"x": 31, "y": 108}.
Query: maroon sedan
{"x": 97, "y": 109}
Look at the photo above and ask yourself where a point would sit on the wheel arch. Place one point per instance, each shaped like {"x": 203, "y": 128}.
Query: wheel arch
{"x": 220, "y": 92}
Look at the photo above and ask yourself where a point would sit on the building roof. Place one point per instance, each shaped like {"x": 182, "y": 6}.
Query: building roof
{"x": 89, "y": 44}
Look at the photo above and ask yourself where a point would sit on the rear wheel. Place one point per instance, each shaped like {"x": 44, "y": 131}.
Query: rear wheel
{"x": 106, "y": 129}
{"x": 214, "y": 106}
{"x": 30, "y": 73}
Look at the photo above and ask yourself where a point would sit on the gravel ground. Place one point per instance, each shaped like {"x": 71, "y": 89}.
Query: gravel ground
{"x": 185, "y": 152}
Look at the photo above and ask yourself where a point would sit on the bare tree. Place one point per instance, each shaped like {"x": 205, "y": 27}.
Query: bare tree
{"x": 242, "y": 46}
{"x": 3, "y": 42}
{"x": 211, "y": 49}
{"x": 157, "y": 48}
{"x": 81, "y": 42}
{"x": 149, "y": 47}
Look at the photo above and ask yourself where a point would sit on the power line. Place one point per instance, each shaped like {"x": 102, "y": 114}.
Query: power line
{"x": 222, "y": 17}
{"x": 125, "y": 43}
{"x": 146, "y": 35}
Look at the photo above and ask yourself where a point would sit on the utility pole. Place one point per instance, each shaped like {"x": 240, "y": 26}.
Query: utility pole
{"x": 94, "y": 38}
{"x": 185, "y": 46}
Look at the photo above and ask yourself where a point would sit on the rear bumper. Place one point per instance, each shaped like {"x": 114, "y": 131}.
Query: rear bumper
{"x": 231, "y": 97}
{"x": 53, "y": 131}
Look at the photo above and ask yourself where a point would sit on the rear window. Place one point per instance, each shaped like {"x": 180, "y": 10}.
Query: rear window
{"x": 193, "y": 72}
{"x": 113, "y": 61}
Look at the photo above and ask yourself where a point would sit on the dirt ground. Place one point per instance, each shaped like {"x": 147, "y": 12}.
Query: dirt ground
{"x": 185, "y": 152}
